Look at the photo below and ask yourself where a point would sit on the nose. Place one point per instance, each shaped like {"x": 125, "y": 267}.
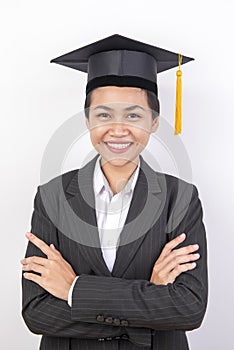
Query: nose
{"x": 118, "y": 129}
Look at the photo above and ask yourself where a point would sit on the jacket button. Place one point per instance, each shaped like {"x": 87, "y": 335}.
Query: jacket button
{"x": 116, "y": 321}
{"x": 124, "y": 323}
{"x": 100, "y": 318}
{"x": 124, "y": 336}
{"x": 109, "y": 319}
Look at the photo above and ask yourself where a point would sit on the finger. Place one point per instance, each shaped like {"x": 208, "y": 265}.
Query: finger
{"x": 181, "y": 260}
{"x": 32, "y": 277}
{"x": 54, "y": 249}
{"x": 180, "y": 269}
{"x": 35, "y": 259}
{"x": 171, "y": 245}
{"x": 34, "y": 267}
{"x": 172, "y": 256}
{"x": 39, "y": 244}
{"x": 167, "y": 266}
{"x": 178, "y": 256}
{"x": 166, "y": 259}
{"x": 185, "y": 250}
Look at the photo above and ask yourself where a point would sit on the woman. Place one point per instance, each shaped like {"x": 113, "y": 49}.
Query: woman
{"x": 112, "y": 261}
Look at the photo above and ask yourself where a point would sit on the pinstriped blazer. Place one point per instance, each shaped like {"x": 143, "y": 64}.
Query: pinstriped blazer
{"x": 119, "y": 309}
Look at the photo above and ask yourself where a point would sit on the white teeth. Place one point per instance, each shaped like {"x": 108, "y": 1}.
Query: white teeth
{"x": 119, "y": 145}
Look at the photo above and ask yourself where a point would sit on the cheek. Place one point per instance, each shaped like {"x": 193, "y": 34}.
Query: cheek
{"x": 141, "y": 136}
{"x": 97, "y": 133}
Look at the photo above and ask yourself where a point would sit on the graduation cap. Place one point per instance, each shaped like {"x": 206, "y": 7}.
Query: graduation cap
{"x": 121, "y": 61}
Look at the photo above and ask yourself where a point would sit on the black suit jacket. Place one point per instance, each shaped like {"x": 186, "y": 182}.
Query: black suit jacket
{"x": 119, "y": 309}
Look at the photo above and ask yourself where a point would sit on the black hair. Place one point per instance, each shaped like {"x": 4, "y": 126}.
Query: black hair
{"x": 151, "y": 97}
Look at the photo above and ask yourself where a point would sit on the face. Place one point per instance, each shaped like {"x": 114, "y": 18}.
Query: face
{"x": 120, "y": 123}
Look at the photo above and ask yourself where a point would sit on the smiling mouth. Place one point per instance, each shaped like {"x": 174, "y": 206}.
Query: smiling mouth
{"x": 118, "y": 145}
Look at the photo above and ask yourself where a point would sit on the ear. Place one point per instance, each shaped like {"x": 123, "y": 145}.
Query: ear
{"x": 155, "y": 124}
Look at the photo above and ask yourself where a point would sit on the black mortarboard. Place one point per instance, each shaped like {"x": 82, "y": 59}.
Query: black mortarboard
{"x": 121, "y": 61}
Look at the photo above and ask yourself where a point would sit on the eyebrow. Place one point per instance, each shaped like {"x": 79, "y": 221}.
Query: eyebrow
{"x": 130, "y": 108}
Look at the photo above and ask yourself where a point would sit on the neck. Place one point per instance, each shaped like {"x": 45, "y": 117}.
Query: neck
{"x": 118, "y": 176}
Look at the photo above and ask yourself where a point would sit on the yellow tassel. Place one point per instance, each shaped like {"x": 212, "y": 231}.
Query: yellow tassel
{"x": 178, "y": 107}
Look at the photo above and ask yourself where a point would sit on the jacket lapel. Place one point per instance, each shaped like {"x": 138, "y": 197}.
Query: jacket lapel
{"x": 82, "y": 202}
{"x": 145, "y": 209}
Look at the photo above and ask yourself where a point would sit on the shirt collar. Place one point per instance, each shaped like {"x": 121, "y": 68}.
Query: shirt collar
{"x": 100, "y": 181}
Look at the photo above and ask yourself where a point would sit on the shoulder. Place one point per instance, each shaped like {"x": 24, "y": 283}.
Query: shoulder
{"x": 172, "y": 190}
{"x": 68, "y": 180}
{"x": 174, "y": 183}
{"x": 51, "y": 195}
{"x": 56, "y": 188}
{"x": 181, "y": 192}
{"x": 171, "y": 184}
{"x": 63, "y": 179}
{"x": 168, "y": 183}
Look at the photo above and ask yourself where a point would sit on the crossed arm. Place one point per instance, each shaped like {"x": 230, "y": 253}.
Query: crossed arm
{"x": 56, "y": 274}
{"x": 174, "y": 298}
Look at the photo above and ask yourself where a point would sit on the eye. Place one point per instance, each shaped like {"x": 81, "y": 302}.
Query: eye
{"x": 104, "y": 116}
{"x": 133, "y": 116}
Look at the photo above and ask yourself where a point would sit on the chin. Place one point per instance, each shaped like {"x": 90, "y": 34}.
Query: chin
{"x": 118, "y": 161}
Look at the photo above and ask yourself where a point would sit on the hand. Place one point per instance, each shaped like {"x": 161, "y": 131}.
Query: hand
{"x": 57, "y": 274}
{"x": 172, "y": 262}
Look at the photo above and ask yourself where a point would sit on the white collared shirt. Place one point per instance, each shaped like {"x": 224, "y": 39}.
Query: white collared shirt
{"x": 111, "y": 213}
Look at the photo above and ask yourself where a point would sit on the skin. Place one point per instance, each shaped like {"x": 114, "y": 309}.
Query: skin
{"x": 120, "y": 125}
{"x": 116, "y": 125}
{"x": 57, "y": 274}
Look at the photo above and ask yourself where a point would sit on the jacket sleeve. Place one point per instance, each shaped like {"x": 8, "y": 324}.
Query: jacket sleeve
{"x": 140, "y": 303}
{"x": 42, "y": 312}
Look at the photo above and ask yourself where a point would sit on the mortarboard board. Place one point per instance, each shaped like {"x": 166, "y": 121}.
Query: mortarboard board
{"x": 121, "y": 61}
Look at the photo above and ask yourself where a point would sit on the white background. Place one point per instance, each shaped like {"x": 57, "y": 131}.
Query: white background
{"x": 37, "y": 97}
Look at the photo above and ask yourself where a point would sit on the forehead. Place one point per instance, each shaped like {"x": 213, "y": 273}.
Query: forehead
{"x": 116, "y": 94}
